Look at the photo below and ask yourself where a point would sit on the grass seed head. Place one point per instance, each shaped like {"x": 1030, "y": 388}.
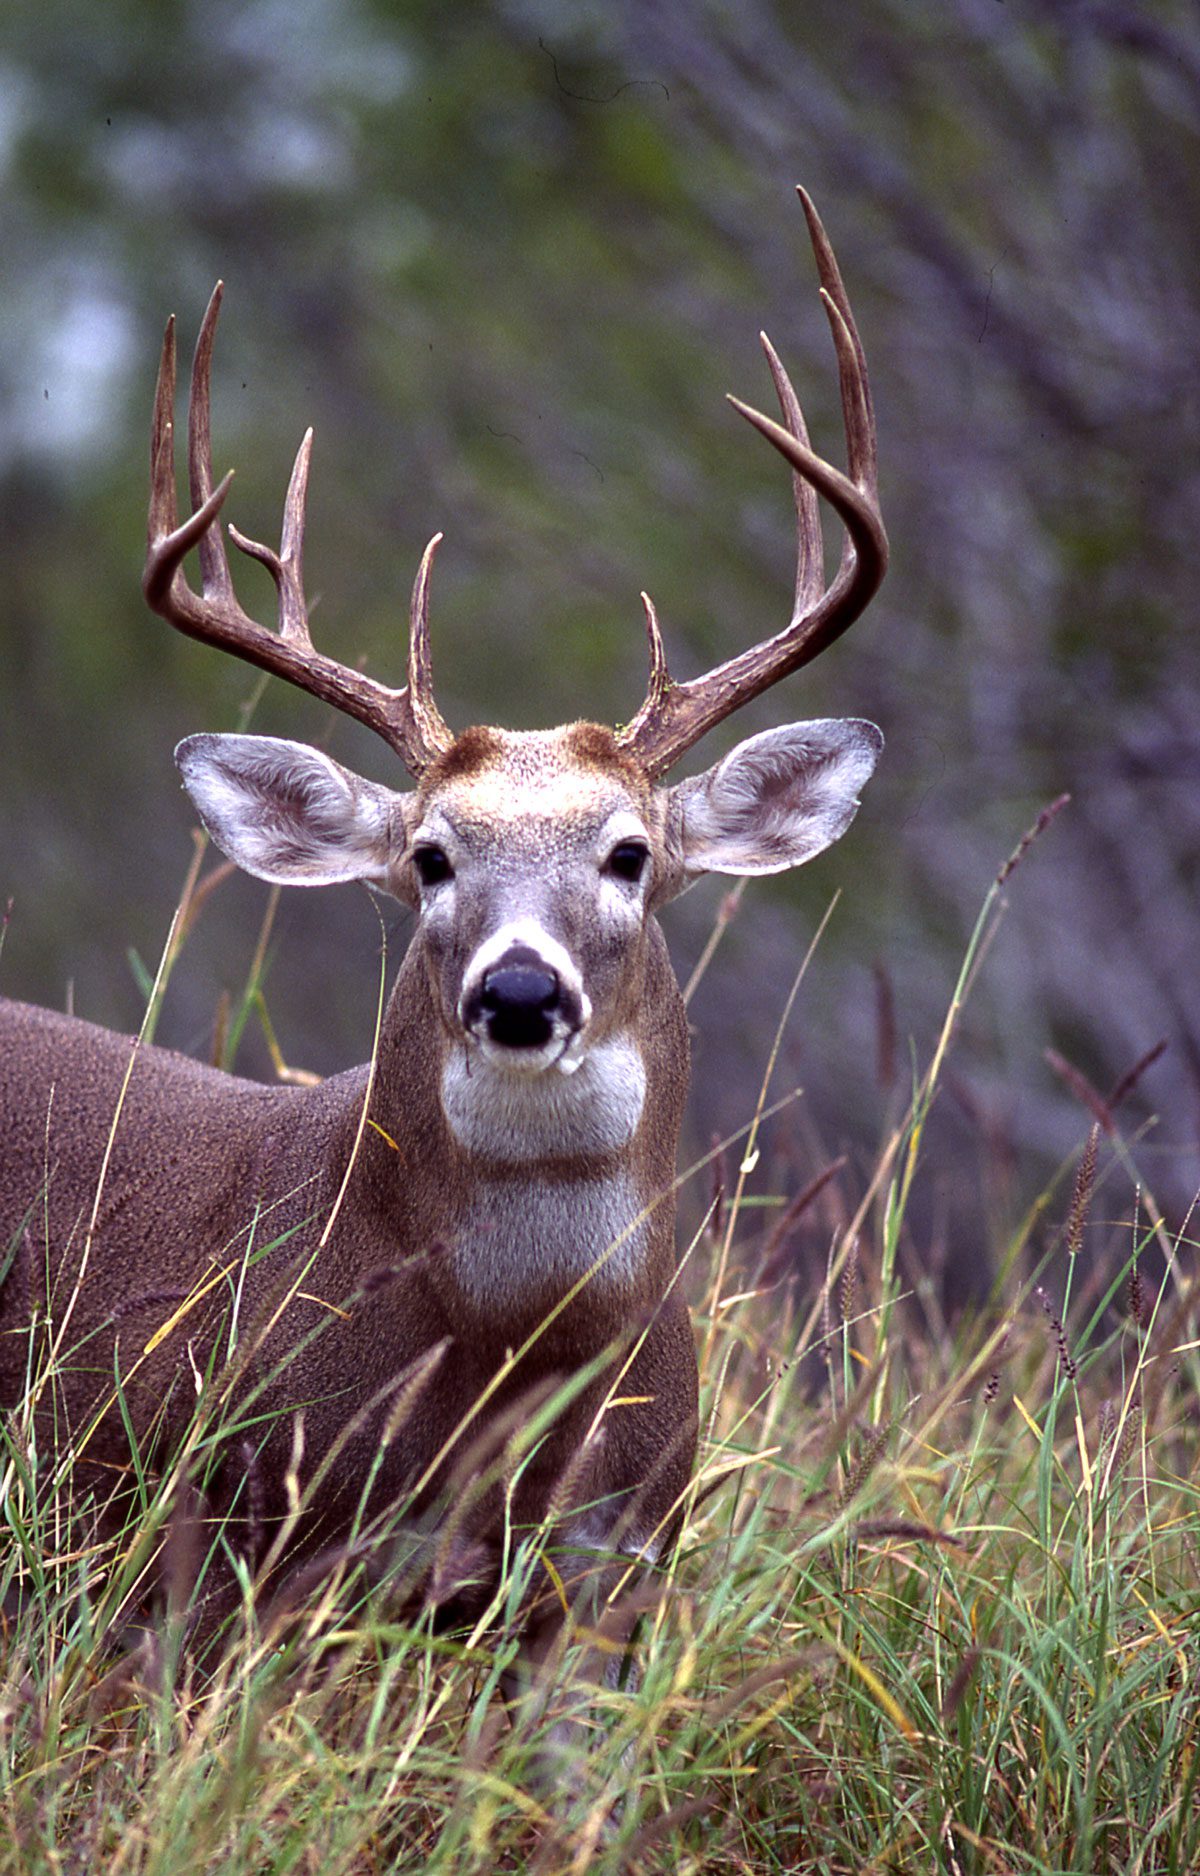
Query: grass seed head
{"x": 1065, "y": 1357}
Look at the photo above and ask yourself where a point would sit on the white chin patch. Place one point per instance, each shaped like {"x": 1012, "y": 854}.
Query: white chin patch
{"x": 507, "y": 1110}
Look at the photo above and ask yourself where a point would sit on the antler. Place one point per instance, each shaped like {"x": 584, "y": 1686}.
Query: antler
{"x": 674, "y": 716}
{"x": 408, "y": 719}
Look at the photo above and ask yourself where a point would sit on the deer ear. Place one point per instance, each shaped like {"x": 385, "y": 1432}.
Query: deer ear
{"x": 287, "y": 813}
{"x": 776, "y": 800}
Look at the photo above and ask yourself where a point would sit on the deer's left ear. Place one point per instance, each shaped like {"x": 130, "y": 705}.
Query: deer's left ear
{"x": 776, "y": 800}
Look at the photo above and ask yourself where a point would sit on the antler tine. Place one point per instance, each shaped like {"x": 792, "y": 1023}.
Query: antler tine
{"x": 659, "y": 684}
{"x": 674, "y": 716}
{"x": 857, "y": 408}
{"x": 407, "y": 719}
{"x": 424, "y": 716}
{"x": 810, "y": 547}
{"x": 163, "y": 516}
{"x": 286, "y": 566}
{"x": 216, "y": 581}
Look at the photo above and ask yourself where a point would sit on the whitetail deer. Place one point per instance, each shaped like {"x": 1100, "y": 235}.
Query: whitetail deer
{"x": 375, "y": 1278}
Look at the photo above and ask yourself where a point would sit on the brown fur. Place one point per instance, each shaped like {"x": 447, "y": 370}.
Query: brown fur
{"x": 467, "y": 755}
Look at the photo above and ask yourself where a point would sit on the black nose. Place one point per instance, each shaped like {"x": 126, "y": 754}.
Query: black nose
{"x": 519, "y": 1002}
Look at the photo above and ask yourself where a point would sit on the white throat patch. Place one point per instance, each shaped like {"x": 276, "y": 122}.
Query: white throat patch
{"x": 529, "y": 1241}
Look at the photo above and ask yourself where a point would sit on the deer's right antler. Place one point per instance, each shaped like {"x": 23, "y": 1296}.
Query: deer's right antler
{"x": 408, "y": 719}
{"x": 674, "y": 716}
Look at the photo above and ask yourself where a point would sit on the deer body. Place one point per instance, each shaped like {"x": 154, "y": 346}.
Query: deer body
{"x": 480, "y": 1194}
{"x": 377, "y": 1279}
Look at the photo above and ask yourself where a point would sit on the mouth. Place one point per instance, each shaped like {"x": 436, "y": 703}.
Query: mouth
{"x": 565, "y": 1055}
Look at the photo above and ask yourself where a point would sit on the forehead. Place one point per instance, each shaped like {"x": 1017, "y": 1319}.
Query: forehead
{"x": 572, "y": 775}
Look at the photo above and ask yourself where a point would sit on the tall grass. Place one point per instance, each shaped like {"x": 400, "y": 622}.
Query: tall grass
{"x": 935, "y": 1604}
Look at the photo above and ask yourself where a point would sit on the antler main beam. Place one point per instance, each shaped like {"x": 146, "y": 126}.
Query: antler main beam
{"x": 674, "y": 716}
{"x": 408, "y": 719}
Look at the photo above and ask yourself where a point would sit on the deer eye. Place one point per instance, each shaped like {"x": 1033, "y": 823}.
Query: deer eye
{"x": 432, "y": 865}
{"x": 628, "y": 860}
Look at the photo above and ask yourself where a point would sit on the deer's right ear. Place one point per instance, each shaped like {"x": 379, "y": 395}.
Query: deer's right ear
{"x": 289, "y": 814}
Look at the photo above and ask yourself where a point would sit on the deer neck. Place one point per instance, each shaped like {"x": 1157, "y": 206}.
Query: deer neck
{"x": 550, "y": 1196}
{"x": 538, "y": 1182}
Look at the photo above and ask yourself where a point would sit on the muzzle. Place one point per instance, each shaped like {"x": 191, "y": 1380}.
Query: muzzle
{"x": 523, "y": 998}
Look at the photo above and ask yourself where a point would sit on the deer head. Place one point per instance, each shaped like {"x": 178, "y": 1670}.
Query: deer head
{"x": 534, "y": 859}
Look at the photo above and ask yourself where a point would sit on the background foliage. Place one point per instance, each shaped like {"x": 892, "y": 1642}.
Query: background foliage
{"x": 506, "y": 258}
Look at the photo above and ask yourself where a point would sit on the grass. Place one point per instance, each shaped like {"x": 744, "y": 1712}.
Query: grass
{"x": 935, "y": 1605}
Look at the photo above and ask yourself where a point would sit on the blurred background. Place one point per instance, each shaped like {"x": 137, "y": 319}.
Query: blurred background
{"x": 507, "y": 258}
